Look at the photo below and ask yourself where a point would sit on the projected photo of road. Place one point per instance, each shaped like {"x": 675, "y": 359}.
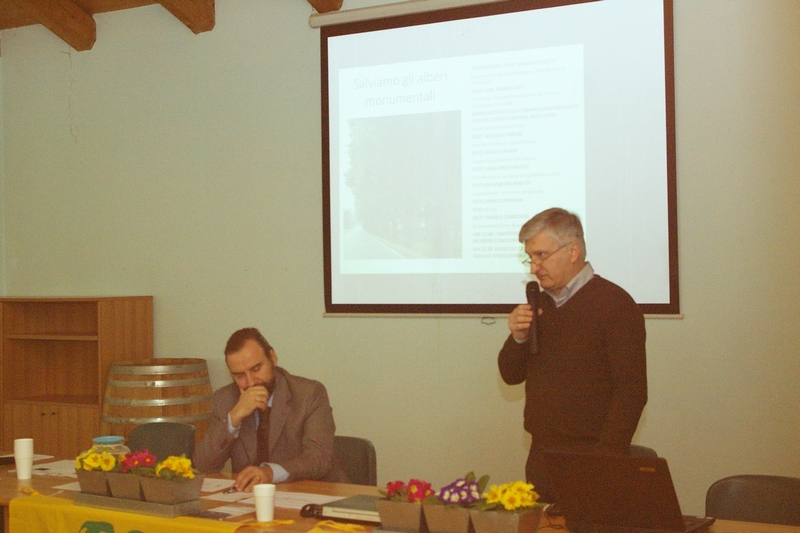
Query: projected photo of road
{"x": 403, "y": 188}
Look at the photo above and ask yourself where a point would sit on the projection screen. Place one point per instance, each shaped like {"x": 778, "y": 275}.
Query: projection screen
{"x": 443, "y": 132}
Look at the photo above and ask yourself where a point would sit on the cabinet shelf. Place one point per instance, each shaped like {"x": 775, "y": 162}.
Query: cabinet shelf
{"x": 54, "y": 359}
{"x": 59, "y": 399}
{"x": 52, "y": 337}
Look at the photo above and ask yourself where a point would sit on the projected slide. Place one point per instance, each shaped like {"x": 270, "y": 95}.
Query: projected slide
{"x": 442, "y": 162}
{"x": 444, "y": 134}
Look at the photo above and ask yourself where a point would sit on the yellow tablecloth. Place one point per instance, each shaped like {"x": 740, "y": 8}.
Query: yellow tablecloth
{"x": 48, "y": 514}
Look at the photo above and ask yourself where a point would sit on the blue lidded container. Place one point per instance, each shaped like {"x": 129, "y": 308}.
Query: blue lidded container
{"x": 113, "y": 444}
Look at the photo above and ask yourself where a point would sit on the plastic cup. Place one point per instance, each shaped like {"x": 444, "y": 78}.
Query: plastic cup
{"x": 23, "y": 457}
{"x": 264, "y": 495}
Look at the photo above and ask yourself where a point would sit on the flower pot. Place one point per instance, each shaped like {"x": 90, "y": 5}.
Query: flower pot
{"x": 171, "y": 491}
{"x": 401, "y": 516}
{"x": 446, "y": 519}
{"x": 506, "y": 521}
{"x": 93, "y": 482}
{"x": 126, "y": 486}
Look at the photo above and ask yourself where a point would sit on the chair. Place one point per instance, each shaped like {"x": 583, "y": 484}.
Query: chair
{"x": 358, "y": 459}
{"x": 755, "y": 498}
{"x": 642, "y": 451}
{"x": 163, "y": 439}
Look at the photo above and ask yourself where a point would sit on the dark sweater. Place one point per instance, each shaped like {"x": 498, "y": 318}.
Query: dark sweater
{"x": 587, "y": 385}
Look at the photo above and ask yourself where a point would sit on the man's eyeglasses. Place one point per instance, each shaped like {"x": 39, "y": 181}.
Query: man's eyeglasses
{"x": 537, "y": 258}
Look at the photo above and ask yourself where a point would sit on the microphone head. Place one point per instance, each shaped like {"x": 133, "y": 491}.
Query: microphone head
{"x": 532, "y": 294}
{"x": 532, "y": 287}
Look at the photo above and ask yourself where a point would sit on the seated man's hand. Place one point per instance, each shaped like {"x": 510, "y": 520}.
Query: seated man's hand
{"x": 250, "y": 399}
{"x": 252, "y": 475}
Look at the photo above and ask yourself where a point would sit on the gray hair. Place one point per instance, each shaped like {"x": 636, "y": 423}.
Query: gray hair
{"x": 560, "y": 224}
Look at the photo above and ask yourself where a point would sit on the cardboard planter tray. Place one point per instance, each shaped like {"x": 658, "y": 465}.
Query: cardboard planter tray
{"x": 136, "y": 506}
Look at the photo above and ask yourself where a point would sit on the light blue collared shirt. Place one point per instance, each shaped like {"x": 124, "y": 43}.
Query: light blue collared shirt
{"x": 279, "y": 474}
{"x": 574, "y": 285}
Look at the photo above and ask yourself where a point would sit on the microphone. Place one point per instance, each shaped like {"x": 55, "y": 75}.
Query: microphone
{"x": 532, "y": 293}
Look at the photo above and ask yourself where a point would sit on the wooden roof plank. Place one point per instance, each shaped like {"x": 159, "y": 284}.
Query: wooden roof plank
{"x": 65, "y": 19}
{"x": 197, "y": 15}
{"x": 324, "y": 6}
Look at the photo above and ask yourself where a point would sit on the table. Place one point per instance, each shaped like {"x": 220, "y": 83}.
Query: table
{"x": 45, "y": 484}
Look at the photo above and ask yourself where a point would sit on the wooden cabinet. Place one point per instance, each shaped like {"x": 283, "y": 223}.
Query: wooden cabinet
{"x": 54, "y": 360}
{"x": 57, "y": 429}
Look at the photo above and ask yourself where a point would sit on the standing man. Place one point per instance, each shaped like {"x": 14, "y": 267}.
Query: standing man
{"x": 273, "y": 426}
{"x": 586, "y": 385}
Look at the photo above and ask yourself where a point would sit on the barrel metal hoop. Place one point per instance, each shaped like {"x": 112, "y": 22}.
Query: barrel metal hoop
{"x": 140, "y": 421}
{"x": 156, "y": 402}
{"x": 159, "y": 369}
{"x": 158, "y": 383}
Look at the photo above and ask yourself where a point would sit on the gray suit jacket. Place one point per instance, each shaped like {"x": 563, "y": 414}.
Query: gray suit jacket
{"x": 301, "y": 430}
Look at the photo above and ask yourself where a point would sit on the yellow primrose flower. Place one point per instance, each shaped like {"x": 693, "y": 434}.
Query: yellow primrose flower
{"x": 493, "y": 494}
{"x": 91, "y": 461}
{"x": 107, "y": 461}
{"x": 82, "y": 456}
{"x": 510, "y": 500}
{"x": 180, "y": 466}
{"x": 530, "y": 498}
{"x": 521, "y": 487}
{"x": 511, "y": 496}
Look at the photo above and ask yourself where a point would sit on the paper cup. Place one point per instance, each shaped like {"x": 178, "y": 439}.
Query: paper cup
{"x": 264, "y": 495}
{"x": 23, "y": 457}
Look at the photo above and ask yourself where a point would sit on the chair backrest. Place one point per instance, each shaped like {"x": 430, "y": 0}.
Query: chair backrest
{"x": 358, "y": 459}
{"x": 755, "y": 498}
{"x": 642, "y": 450}
{"x": 163, "y": 439}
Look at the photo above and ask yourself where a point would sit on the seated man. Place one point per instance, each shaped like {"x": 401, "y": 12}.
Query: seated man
{"x": 273, "y": 426}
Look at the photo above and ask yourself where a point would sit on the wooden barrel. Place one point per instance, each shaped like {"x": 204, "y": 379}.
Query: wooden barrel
{"x": 156, "y": 390}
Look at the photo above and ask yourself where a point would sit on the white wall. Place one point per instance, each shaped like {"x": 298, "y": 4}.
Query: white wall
{"x": 188, "y": 167}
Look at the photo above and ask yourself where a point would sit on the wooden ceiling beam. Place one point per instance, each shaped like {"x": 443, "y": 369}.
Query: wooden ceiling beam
{"x": 64, "y": 18}
{"x": 324, "y": 6}
{"x": 198, "y": 15}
